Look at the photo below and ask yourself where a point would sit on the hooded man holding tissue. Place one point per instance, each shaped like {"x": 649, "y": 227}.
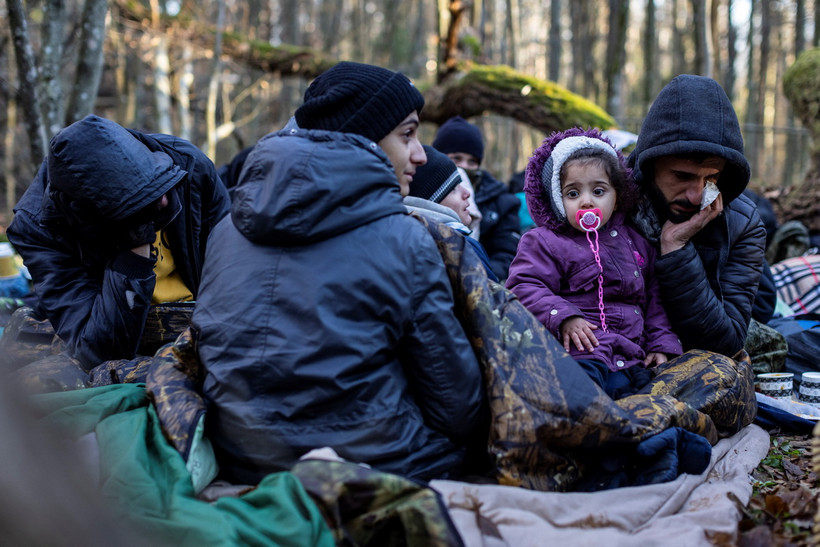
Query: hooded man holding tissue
{"x": 711, "y": 245}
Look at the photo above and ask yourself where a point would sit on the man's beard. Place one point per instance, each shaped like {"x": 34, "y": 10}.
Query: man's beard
{"x": 664, "y": 208}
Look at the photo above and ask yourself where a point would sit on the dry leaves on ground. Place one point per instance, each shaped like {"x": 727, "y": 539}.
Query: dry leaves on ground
{"x": 785, "y": 498}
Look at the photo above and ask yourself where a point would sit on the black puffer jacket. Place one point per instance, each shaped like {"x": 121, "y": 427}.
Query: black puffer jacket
{"x": 500, "y": 227}
{"x": 325, "y": 318}
{"x": 96, "y": 293}
{"x": 708, "y": 287}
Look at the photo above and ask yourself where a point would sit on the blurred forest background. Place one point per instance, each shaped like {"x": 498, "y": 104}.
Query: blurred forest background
{"x": 223, "y": 73}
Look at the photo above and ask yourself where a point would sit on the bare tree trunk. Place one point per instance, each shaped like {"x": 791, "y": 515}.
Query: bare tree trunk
{"x": 162, "y": 84}
{"x": 815, "y": 41}
{"x": 450, "y": 51}
{"x": 213, "y": 85}
{"x": 331, "y": 24}
{"x": 730, "y": 74}
{"x": 9, "y": 164}
{"x": 714, "y": 39}
{"x": 419, "y": 46}
{"x": 765, "y": 55}
{"x": 752, "y": 121}
{"x": 583, "y": 48}
{"x": 185, "y": 79}
{"x": 702, "y": 64}
{"x": 512, "y": 35}
{"x": 650, "y": 46}
{"x": 89, "y": 62}
{"x": 51, "y": 61}
{"x": 800, "y": 27}
{"x": 358, "y": 29}
{"x": 554, "y": 42}
{"x": 27, "y": 72}
{"x": 678, "y": 49}
{"x": 793, "y": 150}
{"x": 8, "y": 128}
{"x": 616, "y": 56}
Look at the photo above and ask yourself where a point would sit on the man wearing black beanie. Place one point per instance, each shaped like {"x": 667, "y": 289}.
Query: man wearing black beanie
{"x": 326, "y": 316}
{"x": 500, "y": 226}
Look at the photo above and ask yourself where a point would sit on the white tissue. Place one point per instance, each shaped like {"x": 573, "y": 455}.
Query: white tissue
{"x": 710, "y": 194}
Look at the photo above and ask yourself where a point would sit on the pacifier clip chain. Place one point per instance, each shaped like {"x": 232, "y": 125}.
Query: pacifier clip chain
{"x": 590, "y": 220}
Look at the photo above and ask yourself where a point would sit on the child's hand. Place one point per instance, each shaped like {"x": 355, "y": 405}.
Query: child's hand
{"x": 579, "y": 330}
{"x": 654, "y": 359}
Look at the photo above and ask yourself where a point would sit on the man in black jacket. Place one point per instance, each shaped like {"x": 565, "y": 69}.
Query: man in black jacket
{"x": 116, "y": 220}
{"x": 711, "y": 256}
{"x": 500, "y": 227}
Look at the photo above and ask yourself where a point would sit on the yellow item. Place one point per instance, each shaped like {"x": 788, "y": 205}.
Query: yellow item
{"x": 169, "y": 287}
{"x": 8, "y": 267}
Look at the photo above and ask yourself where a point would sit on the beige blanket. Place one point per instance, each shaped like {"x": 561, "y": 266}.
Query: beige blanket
{"x": 691, "y": 510}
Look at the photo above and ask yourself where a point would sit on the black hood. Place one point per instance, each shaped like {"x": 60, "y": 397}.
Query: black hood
{"x": 693, "y": 114}
{"x": 100, "y": 168}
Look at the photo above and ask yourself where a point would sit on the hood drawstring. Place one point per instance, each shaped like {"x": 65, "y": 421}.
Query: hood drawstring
{"x": 590, "y": 220}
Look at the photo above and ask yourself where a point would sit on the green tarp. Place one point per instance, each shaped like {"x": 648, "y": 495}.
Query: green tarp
{"x": 145, "y": 483}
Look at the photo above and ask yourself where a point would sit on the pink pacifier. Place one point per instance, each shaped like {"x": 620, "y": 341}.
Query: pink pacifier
{"x": 588, "y": 219}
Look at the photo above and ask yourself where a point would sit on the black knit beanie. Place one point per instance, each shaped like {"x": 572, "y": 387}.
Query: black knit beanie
{"x": 356, "y": 98}
{"x": 458, "y": 135}
{"x": 436, "y": 178}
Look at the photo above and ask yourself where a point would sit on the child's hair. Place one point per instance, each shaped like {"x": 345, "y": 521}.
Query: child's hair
{"x": 543, "y": 184}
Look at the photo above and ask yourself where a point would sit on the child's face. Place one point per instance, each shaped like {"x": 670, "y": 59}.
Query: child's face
{"x": 459, "y": 201}
{"x": 586, "y": 186}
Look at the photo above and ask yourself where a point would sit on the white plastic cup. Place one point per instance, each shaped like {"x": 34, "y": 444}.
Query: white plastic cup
{"x": 810, "y": 388}
{"x": 775, "y": 384}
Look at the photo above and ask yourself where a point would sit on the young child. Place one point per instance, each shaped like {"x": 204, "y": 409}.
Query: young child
{"x": 438, "y": 191}
{"x": 585, "y": 273}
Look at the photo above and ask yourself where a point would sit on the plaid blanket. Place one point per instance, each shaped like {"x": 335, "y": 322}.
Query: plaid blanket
{"x": 797, "y": 281}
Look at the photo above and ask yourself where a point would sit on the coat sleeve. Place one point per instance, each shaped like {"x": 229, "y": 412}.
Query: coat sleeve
{"x": 535, "y": 278}
{"x": 703, "y": 319}
{"x": 441, "y": 366}
{"x": 99, "y": 315}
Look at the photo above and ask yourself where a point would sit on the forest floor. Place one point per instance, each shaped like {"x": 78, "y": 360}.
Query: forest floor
{"x": 784, "y": 502}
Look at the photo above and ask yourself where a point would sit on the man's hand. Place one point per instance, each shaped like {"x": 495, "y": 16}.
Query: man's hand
{"x": 578, "y": 330}
{"x": 654, "y": 359}
{"x": 674, "y": 236}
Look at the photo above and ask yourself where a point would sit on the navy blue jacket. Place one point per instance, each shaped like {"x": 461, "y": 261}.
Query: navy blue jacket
{"x": 325, "y": 318}
{"x": 708, "y": 287}
{"x": 96, "y": 293}
{"x": 500, "y": 227}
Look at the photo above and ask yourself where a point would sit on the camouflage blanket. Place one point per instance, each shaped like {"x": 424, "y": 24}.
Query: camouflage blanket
{"x": 547, "y": 414}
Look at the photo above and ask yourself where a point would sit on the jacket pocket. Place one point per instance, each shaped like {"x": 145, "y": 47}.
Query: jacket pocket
{"x": 583, "y": 279}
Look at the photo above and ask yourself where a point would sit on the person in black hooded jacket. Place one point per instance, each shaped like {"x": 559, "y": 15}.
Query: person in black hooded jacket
{"x": 115, "y": 220}
{"x": 710, "y": 259}
{"x": 326, "y": 317}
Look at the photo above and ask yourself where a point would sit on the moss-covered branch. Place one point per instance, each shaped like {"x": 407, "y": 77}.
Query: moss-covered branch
{"x": 544, "y": 105}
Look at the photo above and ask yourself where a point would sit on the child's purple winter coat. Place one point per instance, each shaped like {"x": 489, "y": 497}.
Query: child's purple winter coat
{"x": 553, "y": 262}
